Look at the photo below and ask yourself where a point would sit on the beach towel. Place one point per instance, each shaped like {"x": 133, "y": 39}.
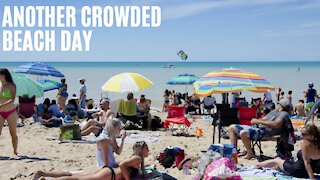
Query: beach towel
{"x": 141, "y": 136}
{"x": 131, "y": 138}
{"x": 114, "y": 105}
{"x": 127, "y": 108}
{"x": 284, "y": 177}
{"x": 253, "y": 172}
{"x": 157, "y": 175}
{"x": 221, "y": 169}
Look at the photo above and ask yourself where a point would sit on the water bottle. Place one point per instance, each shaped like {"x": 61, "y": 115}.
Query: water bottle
{"x": 235, "y": 156}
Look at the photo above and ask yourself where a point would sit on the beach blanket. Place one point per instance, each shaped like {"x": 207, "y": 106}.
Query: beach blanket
{"x": 127, "y": 108}
{"x": 253, "y": 172}
{"x": 131, "y": 138}
{"x": 141, "y": 136}
{"x": 156, "y": 175}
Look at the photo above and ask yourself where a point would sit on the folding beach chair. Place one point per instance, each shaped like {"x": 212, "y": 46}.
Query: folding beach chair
{"x": 247, "y": 114}
{"x": 26, "y": 107}
{"x": 176, "y": 117}
{"x": 285, "y": 141}
{"x": 227, "y": 117}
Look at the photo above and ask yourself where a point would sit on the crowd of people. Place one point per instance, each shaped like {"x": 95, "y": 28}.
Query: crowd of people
{"x": 106, "y": 125}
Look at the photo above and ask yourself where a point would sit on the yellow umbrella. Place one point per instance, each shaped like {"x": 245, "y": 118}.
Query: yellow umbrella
{"x": 127, "y": 82}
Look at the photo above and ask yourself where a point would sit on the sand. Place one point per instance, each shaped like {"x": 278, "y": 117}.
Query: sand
{"x": 43, "y": 154}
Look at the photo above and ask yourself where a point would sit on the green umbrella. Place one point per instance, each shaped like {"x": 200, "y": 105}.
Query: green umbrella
{"x": 26, "y": 86}
{"x": 48, "y": 84}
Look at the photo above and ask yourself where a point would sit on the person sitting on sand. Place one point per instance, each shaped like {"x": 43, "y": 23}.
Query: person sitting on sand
{"x": 143, "y": 111}
{"x": 72, "y": 104}
{"x": 107, "y": 144}
{"x": 308, "y": 156}
{"x": 96, "y": 125}
{"x": 45, "y": 113}
{"x": 166, "y": 97}
{"x": 54, "y": 109}
{"x": 127, "y": 169}
{"x": 299, "y": 109}
{"x": 272, "y": 124}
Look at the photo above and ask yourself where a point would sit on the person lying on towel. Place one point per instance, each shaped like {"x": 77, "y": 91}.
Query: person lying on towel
{"x": 129, "y": 168}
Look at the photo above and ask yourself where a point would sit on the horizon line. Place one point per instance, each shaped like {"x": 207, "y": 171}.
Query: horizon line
{"x": 234, "y": 61}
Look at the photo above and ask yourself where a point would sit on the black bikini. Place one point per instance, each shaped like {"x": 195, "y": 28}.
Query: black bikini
{"x": 113, "y": 174}
{"x": 132, "y": 171}
{"x": 297, "y": 168}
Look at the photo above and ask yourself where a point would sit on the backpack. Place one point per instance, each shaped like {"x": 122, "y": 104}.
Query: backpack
{"x": 167, "y": 157}
{"x": 156, "y": 123}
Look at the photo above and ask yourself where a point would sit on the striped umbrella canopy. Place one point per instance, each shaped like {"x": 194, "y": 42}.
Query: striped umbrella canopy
{"x": 183, "y": 79}
{"x": 48, "y": 84}
{"x": 231, "y": 80}
{"x": 38, "y": 68}
{"x": 26, "y": 86}
{"x": 127, "y": 82}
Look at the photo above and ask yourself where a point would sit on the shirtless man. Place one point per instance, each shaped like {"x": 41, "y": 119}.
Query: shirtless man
{"x": 96, "y": 125}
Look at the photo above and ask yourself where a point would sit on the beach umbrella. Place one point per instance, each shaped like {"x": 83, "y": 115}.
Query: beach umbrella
{"x": 26, "y": 86}
{"x": 183, "y": 79}
{"x": 127, "y": 82}
{"x": 38, "y": 69}
{"x": 231, "y": 80}
{"x": 48, "y": 85}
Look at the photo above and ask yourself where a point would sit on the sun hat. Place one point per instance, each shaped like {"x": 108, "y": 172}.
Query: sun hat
{"x": 285, "y": 103}
{"x": 82, "y": 79}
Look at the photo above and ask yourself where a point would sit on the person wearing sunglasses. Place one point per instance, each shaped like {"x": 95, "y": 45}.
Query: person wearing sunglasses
{"x": 308, "y": 157}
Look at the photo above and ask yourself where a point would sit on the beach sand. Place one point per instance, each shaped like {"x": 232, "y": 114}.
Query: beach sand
{"x": 39, "y": 153}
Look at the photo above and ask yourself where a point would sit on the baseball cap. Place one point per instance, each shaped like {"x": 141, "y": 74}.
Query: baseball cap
{"x": 285, "y": 103}
{"x": 310, "y": 84}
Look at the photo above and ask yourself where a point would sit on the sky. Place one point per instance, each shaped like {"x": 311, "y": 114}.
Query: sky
{"x": 207, "y": 30}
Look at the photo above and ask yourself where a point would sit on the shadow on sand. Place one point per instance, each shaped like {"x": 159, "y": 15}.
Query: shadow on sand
{"x": 28, "y": 158}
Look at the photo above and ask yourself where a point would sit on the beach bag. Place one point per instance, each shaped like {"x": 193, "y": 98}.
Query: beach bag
{"x": 171, "y": 156}
{"x": 221, "y": 169}
{"x": 70, "y": 132}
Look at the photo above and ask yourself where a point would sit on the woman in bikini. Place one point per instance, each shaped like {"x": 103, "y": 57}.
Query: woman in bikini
{"x": 7, "y": 108}
{"x": 132, "y": 167}
{"x": 62, "y": 95}
{"x": 308, "y": 157}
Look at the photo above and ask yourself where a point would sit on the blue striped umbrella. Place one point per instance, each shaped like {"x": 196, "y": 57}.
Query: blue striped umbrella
{"x": 48, "y": 84}
{"x": 183, "y": 79}
{"x": 38, "y": 69}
